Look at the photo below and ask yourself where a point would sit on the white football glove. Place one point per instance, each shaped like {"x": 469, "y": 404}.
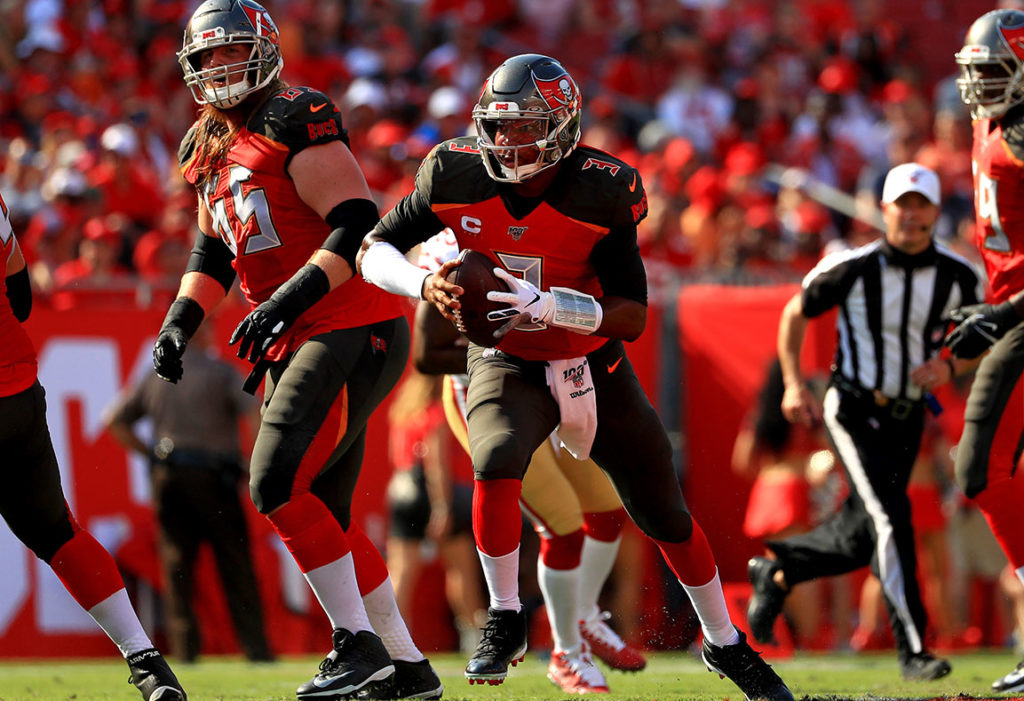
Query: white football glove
{"x": 560, "y": 306}
{"x": 526, "y": 303}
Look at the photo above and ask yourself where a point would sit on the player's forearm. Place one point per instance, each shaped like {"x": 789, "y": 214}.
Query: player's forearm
{"x": 622, "y": 318}
{"x": 792, "y": 328}
{"x": 201, "y": 288}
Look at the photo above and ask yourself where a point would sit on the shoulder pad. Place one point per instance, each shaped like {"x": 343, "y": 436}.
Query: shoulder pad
{"x": 297, "y": 118}
{"x": 453, "y": 172}
{"x": 612, "y": 181}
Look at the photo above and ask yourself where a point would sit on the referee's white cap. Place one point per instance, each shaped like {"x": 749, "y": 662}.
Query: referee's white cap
{"x": 911, "y": 177}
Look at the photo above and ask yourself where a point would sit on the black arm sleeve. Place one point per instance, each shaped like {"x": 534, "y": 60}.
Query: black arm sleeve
{"x": 350, "y": 221}
{"x": 19, "y": 294}
{"x": 410, "y": 222}
{"x": 620, "y": 270}
{"x": 212, "y": 257}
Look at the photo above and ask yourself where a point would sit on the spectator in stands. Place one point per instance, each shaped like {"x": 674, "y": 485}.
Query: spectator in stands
{"x": 126, "y": 184}
{"x": 95, "y": 277}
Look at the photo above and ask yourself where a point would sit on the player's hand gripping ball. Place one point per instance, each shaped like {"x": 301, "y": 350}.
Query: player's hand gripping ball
{"x": 475, "y": 275}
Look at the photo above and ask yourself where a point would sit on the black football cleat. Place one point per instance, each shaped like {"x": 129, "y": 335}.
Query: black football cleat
{"x": 924, "y": 667}
{"x": 766, "y": 598}
{"x": 358, "y": 660}
{"x": 1012, "y": 681}
{"x": 411, "y": 680}
{"x": 153, "y": 678}
{"x": 746, "y": 669}
{"x": 503, "y": 644}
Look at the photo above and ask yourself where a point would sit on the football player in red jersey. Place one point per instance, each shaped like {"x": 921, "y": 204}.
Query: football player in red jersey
{"x": 32, "y": 501}
{"x": 992, "y": 85}
{"x": 559, "y": 220}
{"x": 283, "y": 205}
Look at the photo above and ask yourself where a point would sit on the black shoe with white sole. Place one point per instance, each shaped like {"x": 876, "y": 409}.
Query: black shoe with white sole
{"x": 503, "y": 644}
{"x": 358, "y": 660}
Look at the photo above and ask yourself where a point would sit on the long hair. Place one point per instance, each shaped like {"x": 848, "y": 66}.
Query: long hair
{"x": 215, "y": 133}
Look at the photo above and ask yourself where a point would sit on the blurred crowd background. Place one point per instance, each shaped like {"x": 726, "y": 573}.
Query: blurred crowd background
{"x": 762, "y": 128}
{"x": 706, "y": 97}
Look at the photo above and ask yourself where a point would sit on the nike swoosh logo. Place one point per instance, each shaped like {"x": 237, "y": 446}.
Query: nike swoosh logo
{"x": 321, "y": 682}
{"x": 534, "y": 300}
{"x": 632, "y": 185}
{"x": 317, "y": 108}
{"x": 613, "y": 366}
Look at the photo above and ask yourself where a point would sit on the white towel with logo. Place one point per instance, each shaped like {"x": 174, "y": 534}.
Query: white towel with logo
{"x": 572, "y": 386}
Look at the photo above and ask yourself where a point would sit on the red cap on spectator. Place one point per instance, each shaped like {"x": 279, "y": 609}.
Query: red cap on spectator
{"x": 385, "y": 134}
{"x": 704, "y": 186}
{"x": 839, "y": 77}
{"x": 897, "y": 91}
{"x": 678, "y": 152}
{"x": 744, "y": 159}
{"x": 97, "y": 229}
{"x": 760, "y": 216}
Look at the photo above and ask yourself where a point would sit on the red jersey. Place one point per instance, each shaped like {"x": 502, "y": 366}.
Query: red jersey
{"x": 999, "y": 201}
{"x": 258, "y": 213}
{"x": 18, "y": 364}
{"x": 580, "y": 234}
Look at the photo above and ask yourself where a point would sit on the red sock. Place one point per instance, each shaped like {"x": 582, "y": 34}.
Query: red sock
{"x": 310, "y": 532}
{"x": 562, "y": 552}
{"x": 496, "y": 518}
{"x": 1000, "y": 502}
{"x": 371, "y": 571}
{"x": 605, "y": 526}
{"x": 86, "y": 569}
{"x": 692, "y": 560}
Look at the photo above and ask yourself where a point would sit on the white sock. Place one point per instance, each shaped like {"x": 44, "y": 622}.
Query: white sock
{"x": 502, "y": 577}
{"x": 334, "y": 585}
{"x": 709, "y": 603}
{"x": 118, "y": 620}
{"x": 561, "y": 598}
{"x": 387, "y": 622}
{"x": 595, "y": 565}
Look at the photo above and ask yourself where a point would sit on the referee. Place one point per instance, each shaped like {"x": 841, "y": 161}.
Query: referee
{"x": 891, "y": 296}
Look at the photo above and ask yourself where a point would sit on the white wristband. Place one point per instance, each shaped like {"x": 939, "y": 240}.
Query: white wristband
{"x": 386, "y": 267}
{"x": 576, "y": 311}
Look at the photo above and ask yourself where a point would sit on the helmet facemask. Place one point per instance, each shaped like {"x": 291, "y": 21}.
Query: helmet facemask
{"x": 992, "y": 64}
{"x": 227, "y": 85}
{"x": 989, "y": 86}
{"x": 530, "y": 141}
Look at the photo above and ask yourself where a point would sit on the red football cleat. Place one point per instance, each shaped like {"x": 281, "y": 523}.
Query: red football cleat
{"x": 606, "y": 644}
{"x": 576, "y": 674}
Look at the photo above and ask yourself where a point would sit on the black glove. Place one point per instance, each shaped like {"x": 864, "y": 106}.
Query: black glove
{"x": 265, "y": 324}
{"x": 978, "y": 327}
{"x": 182, "y": 320}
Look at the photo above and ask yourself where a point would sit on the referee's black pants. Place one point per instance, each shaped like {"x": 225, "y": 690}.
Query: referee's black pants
{"x": 877, "y": 446}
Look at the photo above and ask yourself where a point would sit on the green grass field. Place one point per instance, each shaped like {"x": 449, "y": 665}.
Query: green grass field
{"x": 668, "y": 676}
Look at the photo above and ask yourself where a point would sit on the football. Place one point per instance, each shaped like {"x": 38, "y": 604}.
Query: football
{"x": 475, "y": 275}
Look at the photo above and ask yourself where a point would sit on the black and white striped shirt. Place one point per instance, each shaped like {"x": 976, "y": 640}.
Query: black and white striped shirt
{"x": 890, "y": 309}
